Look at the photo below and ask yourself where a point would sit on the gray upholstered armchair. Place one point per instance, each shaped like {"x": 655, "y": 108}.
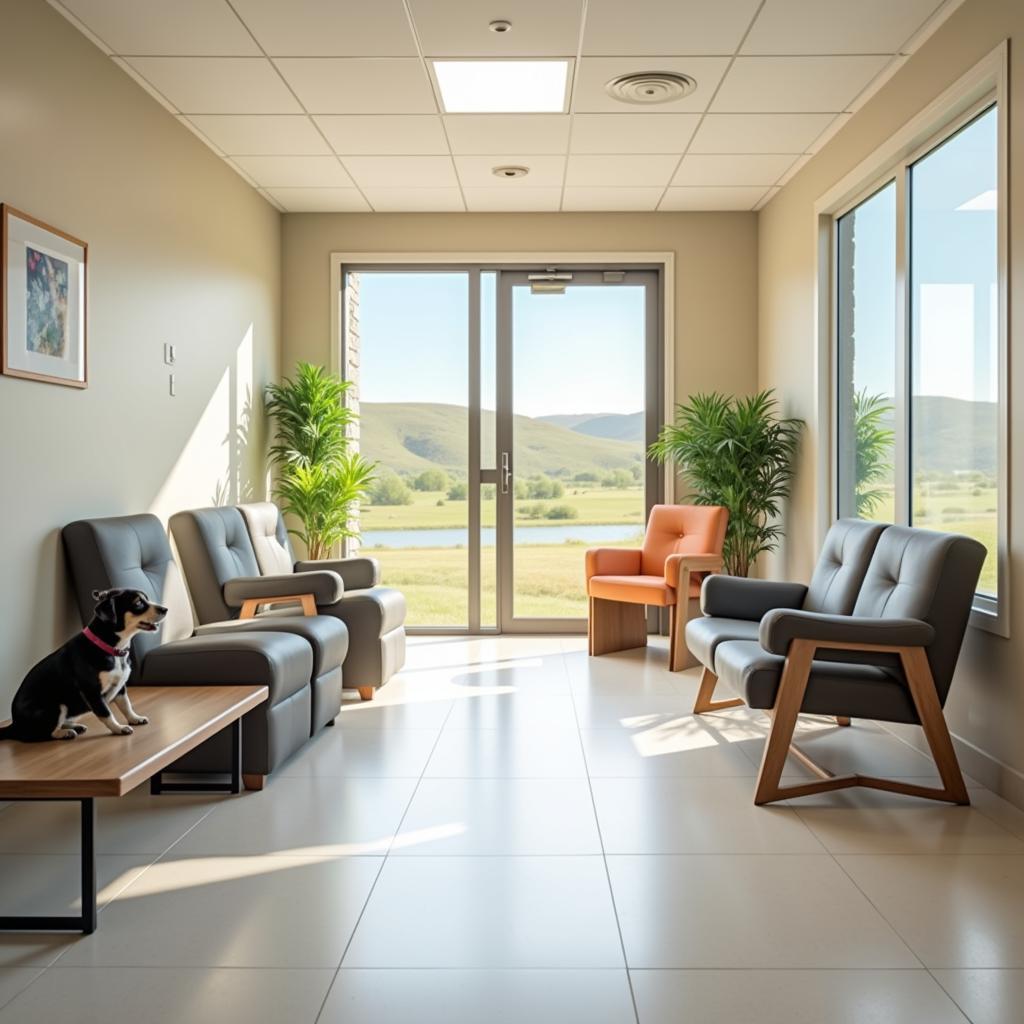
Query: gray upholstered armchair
{"x": 876, "y": 635}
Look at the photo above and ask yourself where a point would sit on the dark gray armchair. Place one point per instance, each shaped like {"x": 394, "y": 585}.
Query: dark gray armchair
{"x": 375, "y": 615}
{"x": 886, "y": 649}
{"x": 133, "y": 551}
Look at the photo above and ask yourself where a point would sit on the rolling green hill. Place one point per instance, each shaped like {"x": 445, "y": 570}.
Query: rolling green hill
{"x": 614, "y": 425}
{"x": 411, "y": 437}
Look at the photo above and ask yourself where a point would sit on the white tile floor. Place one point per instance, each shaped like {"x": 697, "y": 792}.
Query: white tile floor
{"x": 515, "y": 832}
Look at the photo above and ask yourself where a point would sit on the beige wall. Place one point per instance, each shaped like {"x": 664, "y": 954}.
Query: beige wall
{"x": 715, "y": 287}
{"x": 181, "y": 250}
{"x": 986, "y": 707}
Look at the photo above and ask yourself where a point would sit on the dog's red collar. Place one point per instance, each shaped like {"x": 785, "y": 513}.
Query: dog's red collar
{"x": 117, "y": 652}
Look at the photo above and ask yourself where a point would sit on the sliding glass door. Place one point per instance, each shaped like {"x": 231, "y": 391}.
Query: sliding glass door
{"x": 509, "y": 412}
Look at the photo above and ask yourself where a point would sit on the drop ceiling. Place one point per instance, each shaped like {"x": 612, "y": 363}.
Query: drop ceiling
{"x": 330, "y": 105}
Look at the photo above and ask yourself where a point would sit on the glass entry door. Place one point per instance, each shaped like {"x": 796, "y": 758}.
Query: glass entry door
{"x": 578, "y": 387}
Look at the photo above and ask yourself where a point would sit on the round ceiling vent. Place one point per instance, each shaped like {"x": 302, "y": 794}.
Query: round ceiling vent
{"x": 650, "y": 87}
{"x": 510, "y": 171}
{"x": 501, "y": 26}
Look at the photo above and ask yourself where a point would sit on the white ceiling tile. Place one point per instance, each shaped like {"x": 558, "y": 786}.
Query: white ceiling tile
{"x": 477, "y": 171}
{"x": 834, "y": 127}
{"x": 768, "y": 197}
{"x": 490, "y": 133}
{"x": 262, "y": 134}
{"x": 156, "y": 27}
{"x": 659, "y": 26}
{"x": 795, "y": 168}
{"x": 740, "y": 169}
{"x": 329, "y": 28}
{"x": 320, "y": 200}
{"x": 145, "y": 84}
{"x": 758, "y": 133}
{"x": 415, "y": 200}
{"x": 453, "y": 28}
{"x": 836, "y": 26}
{"x": 594, "y": 73}
{"x": 295, "y": 171}
{"x": 619, "y": 171}
{"x": 384, "y": 134}
{"x": 711, "y": 198}
{"x": 354, "y": 85}
{"x": 401, "y": 172}
{"x": 516, "y": 199}
{"x": 218, "y": 85}
{"x": 632, "y": 133}
{"x": 795, "y": 84}
{"x": 611, "y": 199}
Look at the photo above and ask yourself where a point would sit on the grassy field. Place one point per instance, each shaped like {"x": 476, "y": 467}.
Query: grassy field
{"x": 549, "y": 582}
{"x": 596, "y": 505}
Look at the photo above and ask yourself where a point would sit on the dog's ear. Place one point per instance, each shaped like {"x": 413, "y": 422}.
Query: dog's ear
{"x": 105, "y": 607}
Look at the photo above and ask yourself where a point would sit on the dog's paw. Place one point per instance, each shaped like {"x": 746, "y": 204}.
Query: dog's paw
{"x": 78, "y": 728}
{"x": 139, "y": 720}
{"x": 66, "y": 734}
{"x": 126, "y": 730}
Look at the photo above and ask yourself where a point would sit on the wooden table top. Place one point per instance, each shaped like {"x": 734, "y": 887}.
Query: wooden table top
{"x": 99, "y": 764}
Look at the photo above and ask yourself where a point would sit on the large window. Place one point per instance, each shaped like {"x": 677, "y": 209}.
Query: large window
{"x": 917, "y": 345}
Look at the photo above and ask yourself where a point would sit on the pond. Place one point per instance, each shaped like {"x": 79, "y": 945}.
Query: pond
{"x": 453, "y": 538}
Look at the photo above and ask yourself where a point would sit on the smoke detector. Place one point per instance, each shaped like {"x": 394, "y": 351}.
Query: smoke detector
{"x": 650, "y": 87}
{"x": 500, "y": 26}
{"x": 510, "y": 171}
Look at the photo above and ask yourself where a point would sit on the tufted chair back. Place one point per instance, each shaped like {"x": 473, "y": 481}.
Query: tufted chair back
{"x": 681, "y": 529}
{"x": 921, "y": 574}
{"x": 129, "y": 551}
{"x": 841, "y": 566}
{"x": 214, "y": 547}
{"x": 269, "y": 537}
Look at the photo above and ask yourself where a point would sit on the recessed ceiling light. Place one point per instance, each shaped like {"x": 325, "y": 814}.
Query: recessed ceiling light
{"x": 502, "y": 86}
{"x": 501, "y": 26}
{"x": 510, "y": 171}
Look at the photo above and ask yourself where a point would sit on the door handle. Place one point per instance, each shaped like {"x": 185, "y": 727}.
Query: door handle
{"x": 506, "y": 472}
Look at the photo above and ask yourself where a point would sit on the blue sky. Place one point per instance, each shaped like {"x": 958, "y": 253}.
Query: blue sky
{"x": 574, "y": 353}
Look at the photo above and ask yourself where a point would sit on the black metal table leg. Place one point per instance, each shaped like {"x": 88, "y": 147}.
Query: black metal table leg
{"x": 84, "y": 922}
{"x": 158, "y": 786}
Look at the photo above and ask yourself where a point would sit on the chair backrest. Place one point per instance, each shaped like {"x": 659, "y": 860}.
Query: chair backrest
{"x": 130, "y": 552}
{"x": 214, "y": 547}
{"x": 921, "y": 574}
{"x": 269, "y": 537}
{"x": 844, "y": 559}
{"x": 682, "y": 529}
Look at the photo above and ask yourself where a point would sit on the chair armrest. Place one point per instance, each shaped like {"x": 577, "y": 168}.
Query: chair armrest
{"x": 612, "y": 562}
{"x": 779, "y": 628}
{"x": 677, "y": 565}
{"x": 736, "y": 597}
{"x": 356, "y": 573}
{"x": 326, "y": 587}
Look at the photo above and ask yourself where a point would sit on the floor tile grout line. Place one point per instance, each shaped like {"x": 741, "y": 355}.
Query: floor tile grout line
{"x": 604, "y": 856}
{"x": 384, "y": 860}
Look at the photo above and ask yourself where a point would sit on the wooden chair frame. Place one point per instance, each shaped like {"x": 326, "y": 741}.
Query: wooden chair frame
{"x": 621, "y": 625}
{"x": 251, "y": 606}
{"x": 789, "y": 699}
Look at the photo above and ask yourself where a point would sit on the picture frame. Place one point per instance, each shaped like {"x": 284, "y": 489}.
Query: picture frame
{"x": 43, "y": 301}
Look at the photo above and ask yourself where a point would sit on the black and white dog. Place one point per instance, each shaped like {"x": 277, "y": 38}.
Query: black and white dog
{"x": 86, "y": 674}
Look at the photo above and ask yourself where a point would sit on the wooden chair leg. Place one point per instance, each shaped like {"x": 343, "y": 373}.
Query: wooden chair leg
{"x": 842, "y": 720}
{"x": 922, "y": 688}
{"x": 254, "y": 782}
{"x": 788, "y": 701}
{"x": 704, "y": 703}
{"x": 615, "y": 626}
{"x": 366, "y": 692}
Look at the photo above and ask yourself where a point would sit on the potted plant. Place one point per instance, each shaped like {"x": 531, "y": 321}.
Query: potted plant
{"x": 319, "y": 479}
{"x": 736, "y": 452}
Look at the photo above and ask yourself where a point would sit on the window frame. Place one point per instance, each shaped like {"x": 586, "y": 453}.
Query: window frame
{"x": 980, "y": 89}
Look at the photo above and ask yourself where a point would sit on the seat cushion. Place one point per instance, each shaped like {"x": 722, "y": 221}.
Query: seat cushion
{"x": 373, "y": 612}
{"x": 705, "y": 633}
{"x": 279, "y": 661}
{"x": 326, "y": 635}
{"x": 637, "y": 589}
{"x": 856, "y": 691}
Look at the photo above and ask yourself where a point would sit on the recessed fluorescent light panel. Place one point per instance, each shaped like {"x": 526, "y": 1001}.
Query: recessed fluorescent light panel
{"x": 502, "y": 86}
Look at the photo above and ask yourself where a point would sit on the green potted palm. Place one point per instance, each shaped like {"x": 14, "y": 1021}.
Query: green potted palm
{"x": 319, "y": 479}
{"x": 736, "y": 452}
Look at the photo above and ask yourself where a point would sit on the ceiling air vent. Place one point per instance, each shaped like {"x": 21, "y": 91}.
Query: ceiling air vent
{"x": 510, "y": 171}
{"x": 650, "y": 87}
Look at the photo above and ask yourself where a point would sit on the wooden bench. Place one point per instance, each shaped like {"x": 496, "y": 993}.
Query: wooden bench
{"x": 98, "y": 764}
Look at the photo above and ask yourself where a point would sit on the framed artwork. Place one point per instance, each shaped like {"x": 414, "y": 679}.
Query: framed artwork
{"x": 42, "y": 301}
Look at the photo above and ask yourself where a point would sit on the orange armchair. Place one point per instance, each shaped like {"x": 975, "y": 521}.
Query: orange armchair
{"x": 682, "y": 545}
